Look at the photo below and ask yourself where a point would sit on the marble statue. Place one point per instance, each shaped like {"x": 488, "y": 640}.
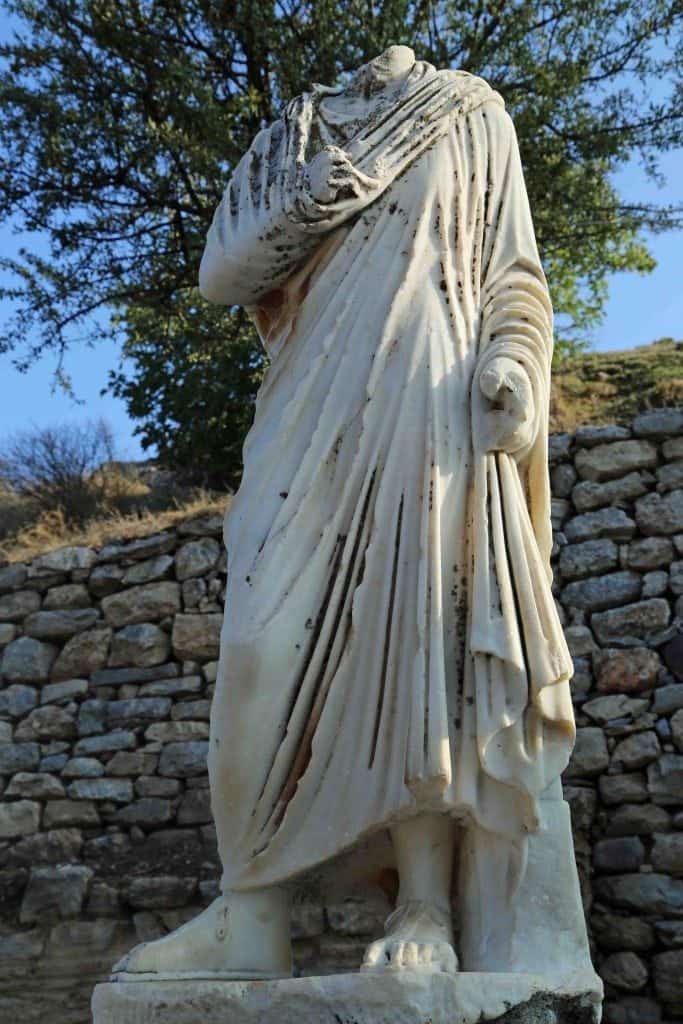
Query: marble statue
{"x": 391, "y": 655}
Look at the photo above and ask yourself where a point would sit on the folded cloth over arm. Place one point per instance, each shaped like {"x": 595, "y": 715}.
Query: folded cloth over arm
{"x": 521, "y": 714}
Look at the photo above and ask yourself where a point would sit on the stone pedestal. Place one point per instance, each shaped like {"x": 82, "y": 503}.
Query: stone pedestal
{"x": 369, "y": 998}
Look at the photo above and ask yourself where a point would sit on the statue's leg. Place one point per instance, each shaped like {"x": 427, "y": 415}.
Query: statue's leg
{"x": 419, "y": 934}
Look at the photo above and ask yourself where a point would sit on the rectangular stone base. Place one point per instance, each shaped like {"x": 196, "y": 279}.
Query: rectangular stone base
{"x": 386, "y": 997}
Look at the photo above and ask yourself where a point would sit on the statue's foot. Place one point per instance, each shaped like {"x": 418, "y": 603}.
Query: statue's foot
{"x": 240, "y": 935}
{"x": 417, "y": 937}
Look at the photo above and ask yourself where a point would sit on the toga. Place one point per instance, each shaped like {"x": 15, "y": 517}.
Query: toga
{"x": 390, "y": 643}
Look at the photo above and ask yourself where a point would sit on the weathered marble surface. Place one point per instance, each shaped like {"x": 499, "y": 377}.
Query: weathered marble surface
{"x": 408, "y": 997}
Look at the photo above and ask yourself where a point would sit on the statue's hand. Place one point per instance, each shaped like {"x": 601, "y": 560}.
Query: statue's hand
{"x": 509, "y": 416}
{"x": 331, "y": 178}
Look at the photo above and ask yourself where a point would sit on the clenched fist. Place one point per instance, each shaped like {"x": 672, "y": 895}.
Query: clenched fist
{"x": 509, "y": 415}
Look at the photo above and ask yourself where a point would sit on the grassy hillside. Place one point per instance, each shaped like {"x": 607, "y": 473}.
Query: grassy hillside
{"x": 611, "y": 387}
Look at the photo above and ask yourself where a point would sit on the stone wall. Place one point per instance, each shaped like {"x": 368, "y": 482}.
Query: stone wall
{"x": 107, "y": 671}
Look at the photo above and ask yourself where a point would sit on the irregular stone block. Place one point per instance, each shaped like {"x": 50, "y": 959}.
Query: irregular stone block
{"x": 647, "y": 553}
{"x": 612, "y": 523}
{"x": 17, "y": 700}
{"x": 667, "y": 853}
{"x": 18, "y": 757}
{"x": 117, "y": 790}
{"x": 582, "y": 805}
{"x": 144, "y": 547}
{"x": 184, "y": 687}
{"x": 623, "y": 789}
{"x": 138, "y": 709}
{"x": 605, "y": 709}
{"x": 588, "y": 495}
{"x": 655, "y": 584}
{"x": 623, "y": 854}
{"x": 637, "y": 820}
{"x": 196, "y": 558}
{"x": 121, "y": 676}
{"x": 660, "y": 514}
{"x": 58, "y": 846}
{"x": 146, "y": 603}
{"x": 177, "y": 732}
{"x": 66, "y": 597}
{"x": 16, "y": 606}
{"x": 82, "y": 768}
{"x": 642, "y": 894}
{"x": 59, "y": 625}
{"x": 35, "y": 786}
{"x": 590, "y": 756}
{"x": 12, "y": 577}
{"x": 149, "y": 571}
{"x": 65, "y": 813}
{"x": 141, "y": 644}
{"x": 665, "y": 780}
{"x": 615, "y": 932}
{"x": 66, "y": 559}
{"x": 105, "y": 579}
{"x": 148, "y": 812}
{"x": 159, "y": 893}
{"x": 119, "y": 739}
{"x": 26, "y": 660}
{"x": 658, "y": 423}
{"x": 632, "y": 624}
{"x": 610, "y": 461}
{"x": 20, "y": 818}
{"x": 53, "y": 693}
{"x": 200, "y": 526}
{"x": 135, "y": 762}
{"x": 600, "y": 592}
{"x": 184, "y": 760}
{"x": 588, "y": 558}
{"x": 669, "y": 477}
{"x": 49, "y": 722}
{"x": 197, "y": 637}
{"x": 195, "y": 808}
{"x": 636, "y": 751}
{"x": 92, "y": 716}
{"x": 668, "y": 977}
{"x": 625, "y": 971}
{"x": 83, "y": 654}
{"x": 55, "y": 889}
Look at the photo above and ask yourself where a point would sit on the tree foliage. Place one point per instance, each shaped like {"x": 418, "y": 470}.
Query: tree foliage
{"x": 121, "y": 120}
{"x": 57, "y": 467}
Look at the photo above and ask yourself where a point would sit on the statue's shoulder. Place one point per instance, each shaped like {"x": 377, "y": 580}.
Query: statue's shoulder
{"x": 466, "y": 84}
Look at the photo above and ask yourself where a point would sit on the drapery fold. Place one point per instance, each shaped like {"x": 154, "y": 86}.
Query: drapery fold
{"x": 390, "y": 643}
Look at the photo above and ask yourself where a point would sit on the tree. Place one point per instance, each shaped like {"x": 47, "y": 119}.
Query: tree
{"x": 56, "y": 467}
{"x": 121, "y": 120}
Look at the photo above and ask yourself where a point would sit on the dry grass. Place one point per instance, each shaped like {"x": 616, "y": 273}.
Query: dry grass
{"x": 50, "y": 531}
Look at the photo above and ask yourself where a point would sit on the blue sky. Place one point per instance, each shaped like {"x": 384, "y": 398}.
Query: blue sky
{"x": 640, "y": 309}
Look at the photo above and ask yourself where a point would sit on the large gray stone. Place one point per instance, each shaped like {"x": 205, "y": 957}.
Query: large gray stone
{"x": 619, "y": 855}
{"x": 121, "y": 676}
{"x": 590, "y": 756}
{"x": 660, "y": 514}
{"x": 668, "y": 698}
{"x": 18, "y": 757}
{"x": 588, "y": 558}
{"x": 12, "y": 577}
{"x": 27, "y": 660}
{"x": 177, "y": 732}
{"x": 658, "y": 423}
{"x": 386, "y": 997}
{"x": 667, "y": 853}
{"x": 149, "y": 571}
{"x": 202, "y": 526}
{"x": 599, "y": 592}
{"x": 59, "y": 625}
{"x": 626, "y": 671}
{"x": 20, "y": 818}
{"x": 610, "y": 461}
{"x": 184, "y": 760}
{"x": 605, "y": 522}
{"x": 640, "y": 819}
{"x": 669, "y": 477}
{"x": 105, "y": 579}
{"x": 589, "y": 436}
{"x": 147, "y": 812}
{"x": 635, "y": 751}
{"x": 117, "y": 790}
{"x": 58, "y": 846}
{"x": 623, "y": 789}
{"x": 138, "y": 710}
{"x": 82, "y": 768}
{"x": 119, "y": 739}
{"x": 616, "y": 932}
{"x": 55, "y": 889}
{"x": 144, "y": 547}
{"x": 665, "y": 780}
{"x": 605, "y": 709}
{"x": 625, "y": 971}
{"x": 133, "y": 762}
{"x": 642, "y": 894}
{"x": 588, "y": 495}
{"x": 66, "y": 596}
{"x": 83, "y": 654}
{"x": 159, "y": 893}
{"x": 68, "y": 690}
{"x": 70, "y": 813}
{"x": 141, "y": 644}
{"x": 147, "y": 603}
{"x": 197, "y": 637}
{"x": 668, "y": 975}
{"x": 17, "y": 700}
{"x": 648, "y": 553}
{"x": 35, "y": 786}
{"x": 66, "y": 559}
{"x": 196, "y": 558}
{"x": 633, "y": 623}
{"x": 49, "y": 722}
{"x": 16, "y": 606}
{"x": 186, "y": 686}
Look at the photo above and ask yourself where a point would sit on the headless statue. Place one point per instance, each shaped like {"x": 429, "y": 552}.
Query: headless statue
{"x": 391, "y": 657}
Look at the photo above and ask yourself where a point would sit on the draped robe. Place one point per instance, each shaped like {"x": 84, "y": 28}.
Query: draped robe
{"x": 390, "y": 643}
